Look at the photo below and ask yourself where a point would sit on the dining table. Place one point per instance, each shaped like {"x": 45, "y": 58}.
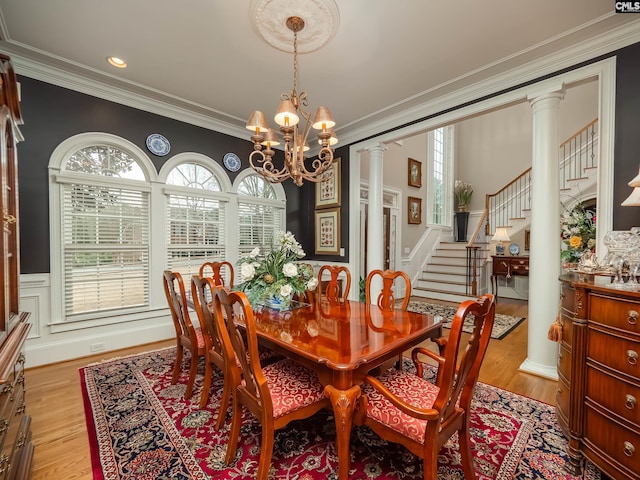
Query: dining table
{"x": 342, "y": 341}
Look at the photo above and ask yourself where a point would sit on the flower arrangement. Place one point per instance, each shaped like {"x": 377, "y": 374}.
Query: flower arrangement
{"x": 276, "y": 276}
{"x": 462, "y": 192}
{"x": 578, "y": 233}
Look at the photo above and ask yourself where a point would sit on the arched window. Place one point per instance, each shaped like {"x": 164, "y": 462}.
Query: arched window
{"x": 260, "y": 213}
{"x": 100, "y": 226}
{"x": 196, "y": 217}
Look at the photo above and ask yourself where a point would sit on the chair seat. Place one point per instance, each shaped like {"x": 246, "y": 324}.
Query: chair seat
{"x": 410, "y": 388}
{"x": 292, "y": 386}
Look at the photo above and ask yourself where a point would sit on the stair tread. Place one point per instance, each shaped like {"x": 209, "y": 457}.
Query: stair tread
{"x": 423, "y": 289}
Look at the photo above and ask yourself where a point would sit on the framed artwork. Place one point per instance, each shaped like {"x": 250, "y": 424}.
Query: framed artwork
{"x": 328, "y": 191}
{"x": 527, "y": 240}
{"x": 414, "y": 213}
{"x": 414, "y": 173}
{"x": 327, "y": 223}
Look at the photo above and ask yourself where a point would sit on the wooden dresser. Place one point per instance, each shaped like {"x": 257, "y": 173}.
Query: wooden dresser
{"x": 599, "y": 375}
{"x": 16, "y": 449}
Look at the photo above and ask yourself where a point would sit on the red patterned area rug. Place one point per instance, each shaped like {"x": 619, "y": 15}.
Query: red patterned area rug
{"x": 141, "y": 428}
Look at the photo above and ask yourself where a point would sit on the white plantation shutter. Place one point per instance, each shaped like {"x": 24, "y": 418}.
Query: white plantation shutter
{"x": 257, "y": 225}
{"x": 106, "y": 248}
{"x": 196, "y": 233}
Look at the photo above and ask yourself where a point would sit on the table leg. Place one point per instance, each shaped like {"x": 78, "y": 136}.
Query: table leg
{"x": 343, "y": 403}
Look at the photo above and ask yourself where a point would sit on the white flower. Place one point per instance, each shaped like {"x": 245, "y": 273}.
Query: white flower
{"x": 290, "y": 270}
{"x": 255, "y": 252}
{"x": 312, "y": 283}
{"x": 247, "y": 271}
{"x": 285, "y": 291}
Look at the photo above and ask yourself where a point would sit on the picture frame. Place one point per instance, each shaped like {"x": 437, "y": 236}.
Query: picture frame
{"x": 327, "y": 231}
{"x": 328, "y": 191}
{"x": 527, "y": 240}
{"x": 414, "y": 173}
{"x": 414, "y": 210}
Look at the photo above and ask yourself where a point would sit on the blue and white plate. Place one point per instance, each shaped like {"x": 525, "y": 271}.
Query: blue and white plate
{"x": 232, "y": 162}
{"x": 158, "y": 145}
{"x": 514, "y": 249}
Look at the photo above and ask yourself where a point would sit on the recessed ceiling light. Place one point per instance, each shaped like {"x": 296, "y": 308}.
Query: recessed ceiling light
{"x": 117, "y": 62}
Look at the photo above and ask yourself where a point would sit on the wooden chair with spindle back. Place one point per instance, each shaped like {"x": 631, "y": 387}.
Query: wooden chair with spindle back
{"x": 217, "y": 274}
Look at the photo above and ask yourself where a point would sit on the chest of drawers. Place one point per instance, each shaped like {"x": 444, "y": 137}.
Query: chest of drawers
{"x": 599, "y": 376}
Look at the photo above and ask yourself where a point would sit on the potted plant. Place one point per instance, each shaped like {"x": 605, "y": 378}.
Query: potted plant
{"x": 463, "y": 192}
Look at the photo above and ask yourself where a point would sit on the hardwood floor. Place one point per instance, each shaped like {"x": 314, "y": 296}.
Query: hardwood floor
{"x": 54, "y": 399}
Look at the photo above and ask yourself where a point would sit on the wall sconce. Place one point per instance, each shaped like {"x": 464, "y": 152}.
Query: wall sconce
{"x": 501, "y": 236}
{"x": 633, "y": 200}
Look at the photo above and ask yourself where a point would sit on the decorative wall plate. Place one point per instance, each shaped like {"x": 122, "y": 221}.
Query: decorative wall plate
{"x": 514, "y": 249}
{"x": 232, "y": 162}
{"x": 158, "y": 145}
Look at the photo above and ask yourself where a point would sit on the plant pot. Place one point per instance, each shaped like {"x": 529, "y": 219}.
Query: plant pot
{"x": 462, "y": 221}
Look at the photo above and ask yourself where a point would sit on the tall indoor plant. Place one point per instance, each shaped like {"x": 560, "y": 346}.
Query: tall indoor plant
{"x": 462, "y": 192}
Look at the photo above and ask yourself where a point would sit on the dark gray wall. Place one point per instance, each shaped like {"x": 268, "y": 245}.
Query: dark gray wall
{"x": 52, "y": 114}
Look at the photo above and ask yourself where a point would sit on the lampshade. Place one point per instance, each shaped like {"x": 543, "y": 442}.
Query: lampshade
{"x": 333, "y": 139}
{"x": 633, "y": 200}
{"x": 271, "y": 138}
{"x": 323, "y": 120}
{"x": 501, "y": 235}
{"x": 257, "y": 122}
{"x": 286, "y": 114}
{"x": 635, "y": 182}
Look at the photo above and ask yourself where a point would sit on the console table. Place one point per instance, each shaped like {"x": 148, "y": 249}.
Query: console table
{"x": 507, "y": 266}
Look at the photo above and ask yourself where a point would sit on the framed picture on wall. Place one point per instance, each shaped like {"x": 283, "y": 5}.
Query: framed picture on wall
{"x": 328, "y": 191}
{"x": 527, "y": 240}
{"x": 327, "y": 224}
{"x": 414, "y": 213}
{"x": 414, "y": 173}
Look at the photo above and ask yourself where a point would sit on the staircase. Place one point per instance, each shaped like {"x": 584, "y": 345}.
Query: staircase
{"x": 446, "y": 274}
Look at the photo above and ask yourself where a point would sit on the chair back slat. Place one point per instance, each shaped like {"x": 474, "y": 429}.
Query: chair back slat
{"x": 235, "y": 307}
{"x": 177, "y": 300}
{"x": 332, "y": 288}
{"x": 217, "y": 274}
{"x": 202, "y": 291}
{"x": 386, "y": 298}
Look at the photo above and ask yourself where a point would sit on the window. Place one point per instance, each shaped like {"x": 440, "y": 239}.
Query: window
{"x": 260, "y": 214}
{"x": 195, "y": 219}
{"x": 104, "y": 231}
{"x": 440, "y": 178}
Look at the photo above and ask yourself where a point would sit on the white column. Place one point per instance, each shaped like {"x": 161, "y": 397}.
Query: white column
{"x": 375, "y": 235}
{"x": 544, "y": 289}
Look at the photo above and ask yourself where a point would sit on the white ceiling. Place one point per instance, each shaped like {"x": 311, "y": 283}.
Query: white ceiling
{"x": 386, "y": 55}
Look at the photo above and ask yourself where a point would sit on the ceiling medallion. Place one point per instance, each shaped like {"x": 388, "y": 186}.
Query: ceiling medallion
{"x": 321, "y": 20}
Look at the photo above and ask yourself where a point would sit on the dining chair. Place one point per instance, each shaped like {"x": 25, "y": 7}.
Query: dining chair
{"x": 404, "y": 408}
{"x": 275, "y": 394}
{"x": 217, "y": 272}
{"x": 216, "y": 339}
{"x": 187, "y": 336}
{"x": 386, "y": 298}
{"x": 332, "y": 286}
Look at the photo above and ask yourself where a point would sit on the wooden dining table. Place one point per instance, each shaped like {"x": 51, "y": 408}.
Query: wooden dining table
{"x": 343, "y": 342}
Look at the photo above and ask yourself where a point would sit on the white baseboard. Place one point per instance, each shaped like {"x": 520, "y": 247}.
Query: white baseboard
{"x": 76, "y": 347}
{"x": 545, "y": 371}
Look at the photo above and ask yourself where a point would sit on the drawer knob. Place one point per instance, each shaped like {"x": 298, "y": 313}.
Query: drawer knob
{"x": 633, "y": 317}
{"x": 630, "y": 401}
{"x": 629, "y": 449}
{"x": 632, "y": 357}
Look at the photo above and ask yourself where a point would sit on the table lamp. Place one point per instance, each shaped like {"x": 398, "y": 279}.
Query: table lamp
{"x": 633, "y": 200}
{"x": 501, "y": 236}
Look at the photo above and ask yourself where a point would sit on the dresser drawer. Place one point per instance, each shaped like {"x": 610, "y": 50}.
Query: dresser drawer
{"x": 564, "y": 362}
{"x": 623, "y": 314}
{"x": 567, "y": 330}
{"x": 619, "y": 443}
{"x": 568, "y": 298}
{"x": 622, "y": 398}
{"x": 563, "y": 402}
{"x": 618, "y": 353}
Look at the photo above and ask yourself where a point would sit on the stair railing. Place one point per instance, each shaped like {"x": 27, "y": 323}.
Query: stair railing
{"x": 509, "y": 203}
{"x": 473, "y": 255}
{"x": 578, "y": 153}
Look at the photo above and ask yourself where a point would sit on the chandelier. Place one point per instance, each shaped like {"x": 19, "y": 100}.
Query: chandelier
{"x": 295, "y": 124}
